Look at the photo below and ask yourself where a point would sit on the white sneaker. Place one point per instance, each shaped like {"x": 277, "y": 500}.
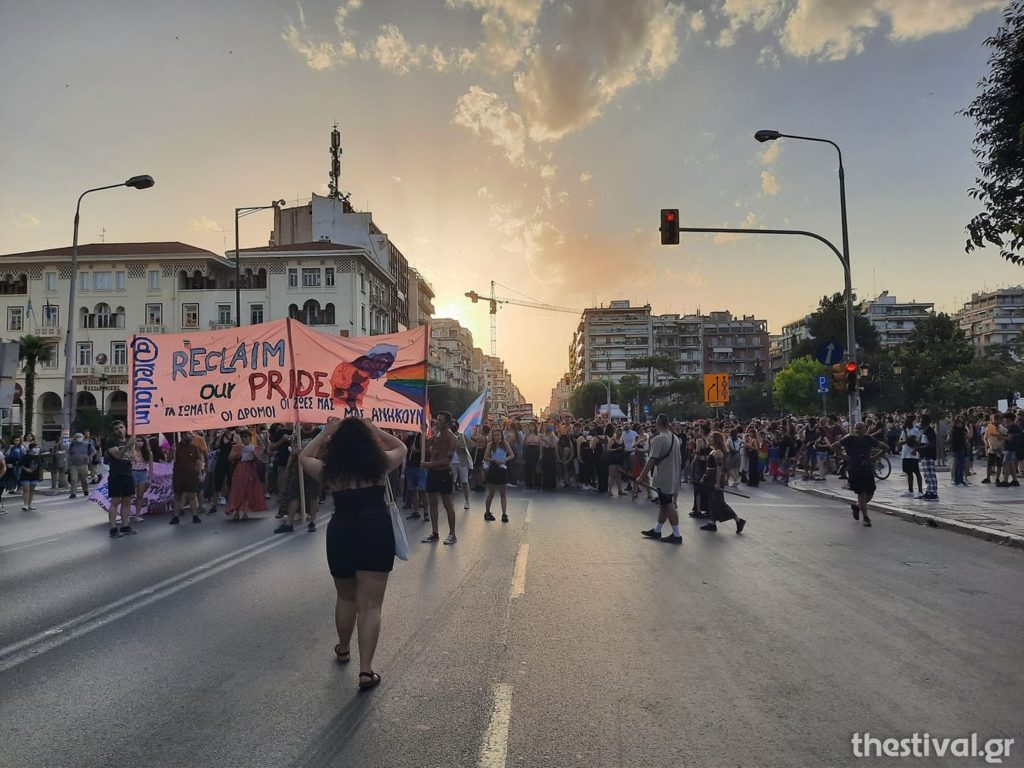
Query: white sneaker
{"x": 451, "y": 539}
{"x": 918, "y": 495}
{"x": 466, "y": 506}
{"x": 907, "y": 495}
{"x": 222, "y": 501}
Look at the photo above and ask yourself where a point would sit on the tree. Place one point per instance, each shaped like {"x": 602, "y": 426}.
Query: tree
{"x": 584, "y": 401}
{"x": 455, "y": 400}
{"x": 682, "y": 399}
{"x": 32, "y": 350}
{"x": 998, "y": 112}
{"x": 629, "y": 388}
{"x": 934, "y": 359}
{"x": 828, "y": 323}
{"x": 796, "y": 386}
{"x": 750, "y": 401}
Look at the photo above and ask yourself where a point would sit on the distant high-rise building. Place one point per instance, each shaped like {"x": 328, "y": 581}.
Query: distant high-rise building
{"x": 995, "y": 317}
{"x": 894, "y": 320}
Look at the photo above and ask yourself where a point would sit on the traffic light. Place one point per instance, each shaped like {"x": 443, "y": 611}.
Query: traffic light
{"x": 839, "y": 377}
{"x": 670, "y": 226}
{"x": 852, "y": 374}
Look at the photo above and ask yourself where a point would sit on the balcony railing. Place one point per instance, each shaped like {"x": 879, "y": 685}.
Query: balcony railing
{"x": 83, "y": 370}
{"x": 215, "y": 326}
{"x": 50, "y": 331}
{"x": 151, "y": 328}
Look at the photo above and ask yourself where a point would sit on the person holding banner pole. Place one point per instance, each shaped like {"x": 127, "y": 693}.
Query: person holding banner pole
{"x": 357, "y": 457}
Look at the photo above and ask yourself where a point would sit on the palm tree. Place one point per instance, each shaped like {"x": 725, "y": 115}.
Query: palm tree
{"x": 31, "y": 351}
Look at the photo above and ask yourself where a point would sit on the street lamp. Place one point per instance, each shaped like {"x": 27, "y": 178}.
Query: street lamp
{"x": 135, "y": 182}
{"x": 103, "y": 394}
{"x": 851, "y": 341}
{"x": 239, "y": 213}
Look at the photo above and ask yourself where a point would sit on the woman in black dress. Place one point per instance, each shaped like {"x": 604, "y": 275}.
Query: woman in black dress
{"x": 548, "y": 459}
{"x": 861, "y": 450}
{"x": 499, "y": 454}
{"x": 714, "y": 482}
{"x": 360, "y": 541}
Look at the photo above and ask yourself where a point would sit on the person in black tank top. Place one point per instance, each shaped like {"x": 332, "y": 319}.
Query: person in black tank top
{"x": 352, "y": 458}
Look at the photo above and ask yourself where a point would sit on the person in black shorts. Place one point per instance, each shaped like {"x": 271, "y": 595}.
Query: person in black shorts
{"x": 499, "y": 454}
{"x": 861, "y": 450}
{"x": 360, "y": 539}
{"x": 440, "y": 447}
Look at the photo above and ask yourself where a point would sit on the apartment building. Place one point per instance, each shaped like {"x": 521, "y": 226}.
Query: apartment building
{"x": 895, "y": 320}
{"x": 735, "y": 345}
{"x": 451, "y": 355}
{"x": 606, "y": 339}
{"x": 994, "y": 317}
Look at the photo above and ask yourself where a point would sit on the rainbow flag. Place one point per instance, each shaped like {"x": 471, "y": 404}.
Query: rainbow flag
{"x": 409, "y": 381}
{"x": 473, "y": 416}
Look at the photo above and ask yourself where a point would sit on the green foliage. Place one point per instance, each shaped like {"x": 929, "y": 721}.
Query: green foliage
{"x": 935, "y": 360}
{"x": 664, "y": 363}
{"x": 681, "y": 399}
{"x": 751, "y": 401}
{"x": 583, "y": 401}
{"x": 32, "y": 350}
{"x": 828, "y": 323}
{"x": 796, "y": 386}
{"x": 629, "y": 388}
{"x": 998, "y": 112}
{"x": 455, "y": 400}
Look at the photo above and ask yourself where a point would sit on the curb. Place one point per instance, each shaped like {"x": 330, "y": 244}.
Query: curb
{"x": 923, "y": 518}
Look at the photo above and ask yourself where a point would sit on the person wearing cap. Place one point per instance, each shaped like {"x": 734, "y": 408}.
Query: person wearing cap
{"x": 80, "y": 455}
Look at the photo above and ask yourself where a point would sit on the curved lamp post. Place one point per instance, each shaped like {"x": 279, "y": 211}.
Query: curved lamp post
{"x": 135, "y": 182}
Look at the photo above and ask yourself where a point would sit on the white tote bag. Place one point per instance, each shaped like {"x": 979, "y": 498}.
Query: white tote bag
{"x": 397, "y": 525}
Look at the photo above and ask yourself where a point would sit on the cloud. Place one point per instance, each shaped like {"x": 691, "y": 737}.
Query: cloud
{"x": 565, "y": 87}
{"x": 771, "y": 152}
{"x": 490, "y": 118}
{"x": 508, "y": 27}
{"x": 769, "y": 184}
{"x": 394, "y": 53}
{"x": 439, "y": 61}
{"x": 396, "y": 179}
{"x": 548, "y": 171}
{"x": 723, "y": 238}
{"x": 698, "y": 22}
{"x": 484, "y": 192}
{"x": 204, "y": 224}
{"x": 320, "y": 54}
{"x": 585, "y": 177}
{"x": 832, "y": 30}
{"x": 25, "y": 221}
{"x": 769, "y": 57}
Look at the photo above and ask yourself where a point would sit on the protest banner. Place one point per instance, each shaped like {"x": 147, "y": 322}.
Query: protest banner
{"x": 158, "y": 498}
{"x": 277, "y": 371}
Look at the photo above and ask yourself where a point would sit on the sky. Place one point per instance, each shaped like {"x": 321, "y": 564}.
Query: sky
{"x": 528, "y": 142}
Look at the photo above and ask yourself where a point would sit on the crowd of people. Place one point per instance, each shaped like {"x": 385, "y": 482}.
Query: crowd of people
{"x": 240, "y": 469}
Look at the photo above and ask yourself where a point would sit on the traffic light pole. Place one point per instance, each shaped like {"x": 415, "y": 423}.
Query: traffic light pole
{"x": 851, "y": 341}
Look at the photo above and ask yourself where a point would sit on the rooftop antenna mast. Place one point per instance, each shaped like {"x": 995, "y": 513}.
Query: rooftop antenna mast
{"x": 334, "y": 190}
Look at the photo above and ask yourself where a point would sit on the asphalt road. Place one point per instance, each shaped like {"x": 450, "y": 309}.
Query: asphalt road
{"x": 560, "y": 639}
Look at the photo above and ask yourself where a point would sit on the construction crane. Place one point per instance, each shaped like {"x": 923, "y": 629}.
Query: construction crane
{"x": 496, "y": 300}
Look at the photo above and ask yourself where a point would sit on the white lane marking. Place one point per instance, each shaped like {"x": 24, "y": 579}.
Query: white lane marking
{"x": 16, "y": 547}
{"x": 29, "y": 648}
{"x": 494, "y": 753}
{"x": 519, "y": 575}
{"x": 529, "y": 513}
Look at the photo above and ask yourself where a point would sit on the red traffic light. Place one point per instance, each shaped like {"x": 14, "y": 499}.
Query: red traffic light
{"x": 851, "y": 367}
{"x": 670, "y": 226}
{"x": 670, "y": 216}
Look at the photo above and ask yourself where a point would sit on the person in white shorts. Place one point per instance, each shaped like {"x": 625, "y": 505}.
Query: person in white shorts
{"x": 461, "y": 461}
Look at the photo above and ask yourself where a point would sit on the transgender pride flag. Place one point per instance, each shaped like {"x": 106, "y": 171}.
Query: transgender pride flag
{"x": 474, "y": 415}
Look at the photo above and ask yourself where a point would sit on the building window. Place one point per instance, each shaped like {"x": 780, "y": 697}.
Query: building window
{"x": 154, "y": 314}
{"x": 224, "y": 314}
{"x": 53, "y": 361}
{"x": 103, "y": 281}
{"x": 15, "y": 318}
{"x": 118, "y": 353}
{"x": 293, "y": 277}
{"x": 363, "y": 313}
{"x": 255, "y": 314}
{"x": 51, "y": 281}
{"x": 189, "y": 315}
{"x": 154, "y": 279}
{"x": 83, "y": 353}
{"x": 329, "y": 277}
{"x": 83, "y": 281}
{"x": 119, "y": 281}
{"x": 51, "y": 315}
{"x": 362, "y": 282}
{"x": 310, "y": 277}
{"x": 103, "y": 316}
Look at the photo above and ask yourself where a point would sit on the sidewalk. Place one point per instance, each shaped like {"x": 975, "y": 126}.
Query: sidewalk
{"x": 985, "y": 511}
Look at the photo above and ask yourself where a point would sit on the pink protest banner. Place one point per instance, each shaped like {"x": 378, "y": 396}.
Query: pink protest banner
{"x": 277, "y": 371}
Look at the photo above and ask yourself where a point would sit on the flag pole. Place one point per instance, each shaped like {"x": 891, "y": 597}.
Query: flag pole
{"x": 297, "y": 429}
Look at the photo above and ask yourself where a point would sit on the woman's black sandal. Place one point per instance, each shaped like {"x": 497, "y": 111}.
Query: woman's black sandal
{"x": 374, "y": 680}
{"x": 344, "y": 657}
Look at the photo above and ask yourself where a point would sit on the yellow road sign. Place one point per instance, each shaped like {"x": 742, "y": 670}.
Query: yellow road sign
{"x": 716, "y": 388}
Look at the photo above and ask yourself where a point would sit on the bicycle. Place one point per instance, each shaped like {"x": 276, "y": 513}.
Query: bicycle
{"x": 882, "y": 467}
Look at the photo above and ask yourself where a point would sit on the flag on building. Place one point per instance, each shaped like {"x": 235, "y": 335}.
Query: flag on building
{"x": 30, "y": 312}
{"x": 473, "y": 416}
